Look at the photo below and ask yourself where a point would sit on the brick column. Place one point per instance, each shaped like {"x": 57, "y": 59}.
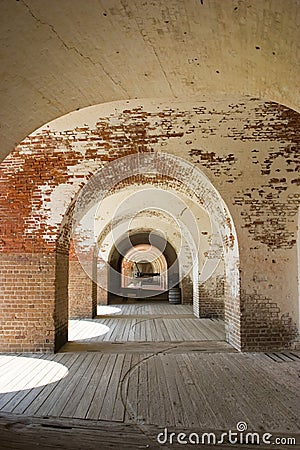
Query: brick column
{"x": 32, "y": 302}
{"x": 82, "y": 290}
{"x": 212, "y": 298}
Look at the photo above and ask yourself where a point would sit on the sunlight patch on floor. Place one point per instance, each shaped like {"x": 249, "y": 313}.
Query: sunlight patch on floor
{"x": 104, "y": 310}
{"x": 18, "y": 373}
{"x": 85, "y": 329}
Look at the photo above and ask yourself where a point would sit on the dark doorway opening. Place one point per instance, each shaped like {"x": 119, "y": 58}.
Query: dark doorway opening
{"x": 142, "y": 266}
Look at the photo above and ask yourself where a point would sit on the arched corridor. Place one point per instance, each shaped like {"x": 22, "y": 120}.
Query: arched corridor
{"x": 149, "y": 218}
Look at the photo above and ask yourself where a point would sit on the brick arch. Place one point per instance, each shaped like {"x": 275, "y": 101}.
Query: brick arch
{"x": 228, "y": 139}
{"x": 191, "y": 177}
{"x": 47, "y": 295}
{"x": 189, "y": 284}
{"x": 105, "y": 258}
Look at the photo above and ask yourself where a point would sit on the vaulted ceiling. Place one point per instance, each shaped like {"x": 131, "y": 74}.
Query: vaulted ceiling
{"x": 57, "y": 56}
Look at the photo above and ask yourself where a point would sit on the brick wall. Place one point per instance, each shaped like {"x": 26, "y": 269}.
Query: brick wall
{"x": 212, "y": 298}
{"x": 263, "y": 327}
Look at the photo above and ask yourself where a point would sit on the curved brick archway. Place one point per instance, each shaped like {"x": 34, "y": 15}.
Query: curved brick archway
{"x": 193, "y": 180}
{"x": 211, "y": 249}
{"x": 248, "y": 148}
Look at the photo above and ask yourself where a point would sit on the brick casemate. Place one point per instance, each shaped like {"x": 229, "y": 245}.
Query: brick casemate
{"x": 248, "y": 149}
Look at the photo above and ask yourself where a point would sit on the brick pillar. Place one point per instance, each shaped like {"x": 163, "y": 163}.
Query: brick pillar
{"x": 102, "y": 277}
{"x": 187, "y": 290}
{"x": 82, "y": 290}
{"x": 61, "y": 316}
{"x": 269, "y": 299}
{"x": 102, "y": 296}
{"x": 33, "y": 302}
{"x": 212, "y": 298}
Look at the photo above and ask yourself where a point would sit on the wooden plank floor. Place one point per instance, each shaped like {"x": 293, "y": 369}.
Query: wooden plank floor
{"x": 149, "y": 322}
{"x": 149, "y": 347}
{"x": 22, "y": 433}
{"x": 157, "y": 366}
{"x": 142, "y": 308}
{"x": 205, "y": 390}
{"x": 28, "y": 433}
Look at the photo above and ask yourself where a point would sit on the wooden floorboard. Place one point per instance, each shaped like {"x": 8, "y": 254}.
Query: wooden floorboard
{"x": 150, "y": 316}
{"x": 99, "y": 395}
{"x": 203, "y": 416}
{"x": 29, "y": 433}
{"x": 75, "y": 396}
{"x": 13, "y": 376}
{"x": 268, "y": 390}
{"x": 187, "y": 395}
{"x": 112, "y": 391}
{"x": 143, "y": 394}
{"x": 119, "y": 407}
{"x": 42, "y": 394}
{"x": 155, "y": 411}
{"x": 145, "y": 329}
{"x": 129, "y": 393}
{"x": 155, "y": 308}
{"x": 210, "y": 380}
{"x": 166, "y": 415}
{"x": 88, "y": 397}
{"x": 34, "y": 377}
{"x": 66, "y": 388}
{"x": 286, "y": 370}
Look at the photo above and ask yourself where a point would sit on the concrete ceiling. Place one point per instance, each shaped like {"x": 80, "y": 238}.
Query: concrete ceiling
{"x": 60, "y": 55}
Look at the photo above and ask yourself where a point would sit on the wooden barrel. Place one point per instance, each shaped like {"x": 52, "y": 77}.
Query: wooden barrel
{"x": 175, "y": 296}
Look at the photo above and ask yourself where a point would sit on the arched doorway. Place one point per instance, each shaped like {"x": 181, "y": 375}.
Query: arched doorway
{"x": 144, "y": 267}
{"x": 142, "y": 252}
{"x": 193, "y": 180}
